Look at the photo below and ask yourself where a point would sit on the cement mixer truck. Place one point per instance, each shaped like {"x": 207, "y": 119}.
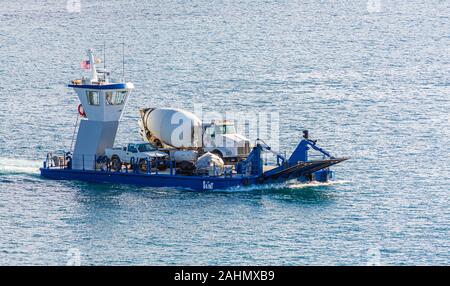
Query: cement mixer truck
{"x": 183, "y": 130}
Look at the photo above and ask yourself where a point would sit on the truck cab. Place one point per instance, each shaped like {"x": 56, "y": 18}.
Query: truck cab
{"x": 221, "y": 138}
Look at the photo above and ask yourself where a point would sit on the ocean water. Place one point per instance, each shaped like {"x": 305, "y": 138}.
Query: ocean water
{"x": 369, "y": 79}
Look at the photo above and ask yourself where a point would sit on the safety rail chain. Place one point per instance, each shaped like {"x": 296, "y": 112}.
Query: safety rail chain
{"x": 65, "y": 161}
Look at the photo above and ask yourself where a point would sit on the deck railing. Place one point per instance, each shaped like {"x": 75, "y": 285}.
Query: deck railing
{"x": 62, "y": 160}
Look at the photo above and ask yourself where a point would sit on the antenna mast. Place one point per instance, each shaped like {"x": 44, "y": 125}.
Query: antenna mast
{"x": 123, "y": 59}
{"x": 104, "y": 56}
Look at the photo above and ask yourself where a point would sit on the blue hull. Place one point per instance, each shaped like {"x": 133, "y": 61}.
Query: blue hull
{"x": 197, "y": 183}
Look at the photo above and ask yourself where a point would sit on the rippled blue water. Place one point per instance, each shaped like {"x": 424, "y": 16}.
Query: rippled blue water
{"x": 372, "y": 84}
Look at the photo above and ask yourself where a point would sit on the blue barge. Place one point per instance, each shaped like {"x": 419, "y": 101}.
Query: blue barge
{"x": 101, "y": 107}
{"x": 251, "y": 171}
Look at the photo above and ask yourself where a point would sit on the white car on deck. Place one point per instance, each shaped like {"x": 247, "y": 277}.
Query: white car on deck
{"x": 135, "y": 153}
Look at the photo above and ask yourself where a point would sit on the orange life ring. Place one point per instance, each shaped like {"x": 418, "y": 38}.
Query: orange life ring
{"x": 81, "y": 110}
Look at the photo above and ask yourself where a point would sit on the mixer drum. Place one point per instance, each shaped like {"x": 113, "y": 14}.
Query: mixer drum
{"x": 174, "y": 127}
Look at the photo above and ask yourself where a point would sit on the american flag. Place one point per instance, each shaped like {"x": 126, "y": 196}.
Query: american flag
{"x": 85, "y": 65}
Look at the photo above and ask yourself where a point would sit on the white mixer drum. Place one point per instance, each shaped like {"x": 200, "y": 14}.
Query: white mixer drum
{"x": 175, "y": 127}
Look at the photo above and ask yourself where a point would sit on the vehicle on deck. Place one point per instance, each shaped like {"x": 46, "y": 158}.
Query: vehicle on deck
{"x": 165, "y": 126}
{"x": 221, "y": 138}
{"x": 135, "y": 153}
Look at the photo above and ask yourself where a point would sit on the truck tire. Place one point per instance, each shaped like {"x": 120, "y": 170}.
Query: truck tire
{"x": 116, "y": 163}
{"x": 162, "y": 167}
{"x": 142, "y": 165}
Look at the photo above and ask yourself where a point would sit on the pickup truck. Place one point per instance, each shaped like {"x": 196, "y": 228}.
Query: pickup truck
{"x": 138, "y": 152}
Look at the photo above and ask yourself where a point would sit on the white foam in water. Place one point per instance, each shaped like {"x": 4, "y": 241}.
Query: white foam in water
{"x": 286, "y": 185}
{"x": 297, "y": 185}
{"x": 11, "y": 165}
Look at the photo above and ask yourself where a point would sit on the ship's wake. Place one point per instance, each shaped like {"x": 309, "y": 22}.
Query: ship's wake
{"x": 19, "y": 166}
{"x": 297, "y": 185}
{"x": 289, "y": 185}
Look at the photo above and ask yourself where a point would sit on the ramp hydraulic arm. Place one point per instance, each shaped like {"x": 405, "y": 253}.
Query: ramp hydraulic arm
{"x": 300, "y": 153}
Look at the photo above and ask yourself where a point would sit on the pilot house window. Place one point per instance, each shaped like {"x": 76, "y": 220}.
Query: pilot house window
{"x": 93, "y": 98}
{"x": 115, "y": 98}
